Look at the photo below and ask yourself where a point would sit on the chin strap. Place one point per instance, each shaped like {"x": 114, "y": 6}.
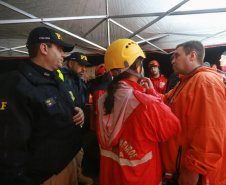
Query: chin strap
{"x": 116, "y": 72}
{"x": 135, "y": 73}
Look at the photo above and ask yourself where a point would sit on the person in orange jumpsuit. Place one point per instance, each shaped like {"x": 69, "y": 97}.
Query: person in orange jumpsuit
{"x": 158, "y": 79}
{"x": 198, "y": 154}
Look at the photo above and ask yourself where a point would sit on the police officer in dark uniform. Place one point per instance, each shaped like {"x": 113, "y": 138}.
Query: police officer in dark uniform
{"x": 76, "y": 64}
{"x": 40, "y": 127}
{"x": 72, "y": 75}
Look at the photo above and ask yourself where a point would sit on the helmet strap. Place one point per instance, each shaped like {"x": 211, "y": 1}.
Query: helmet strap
{"x": 135, "y": 73}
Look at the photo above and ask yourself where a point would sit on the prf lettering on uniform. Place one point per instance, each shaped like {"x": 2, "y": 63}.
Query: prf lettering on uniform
{"x": 3, "y": 105}
{"x": 58, "y": 36}
{"x": 127, "y": 148}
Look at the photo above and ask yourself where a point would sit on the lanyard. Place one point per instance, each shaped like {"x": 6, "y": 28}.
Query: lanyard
{"x": 171, "y": 99}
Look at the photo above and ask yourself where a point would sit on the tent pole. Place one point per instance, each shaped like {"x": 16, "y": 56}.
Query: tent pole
{"x": 153, "y": 38}
{"x": 159, "y": 18}
{"x": 138, "y": 36}
{"x": 52, "y": 25}
{"x": 186, "y": 34}
{"x": 216, "y": 10}
{"x": 213, "y": 35}
{"x": 108, "y": 23}
{"x": 49, "y": 19}
{"x": 93, "y": 28}
{"x": 219, "y": 10}
{"x": 12, "y": 49}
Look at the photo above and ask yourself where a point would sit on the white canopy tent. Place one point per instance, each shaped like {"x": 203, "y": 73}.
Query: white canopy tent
{"x": 157, "y": 25}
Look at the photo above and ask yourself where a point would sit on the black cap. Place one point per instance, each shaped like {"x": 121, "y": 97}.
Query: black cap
{"x": 80, "y": 58}
{"x": 43, "y": 35}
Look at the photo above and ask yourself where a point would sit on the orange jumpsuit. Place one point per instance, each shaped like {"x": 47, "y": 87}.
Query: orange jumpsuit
{"x": 199, "y": 103}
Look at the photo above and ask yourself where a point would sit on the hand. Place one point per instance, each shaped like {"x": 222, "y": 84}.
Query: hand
{"x": 79, "y": 117}
{"x": 188, "y": 177}
{"x": 146, "y": 83}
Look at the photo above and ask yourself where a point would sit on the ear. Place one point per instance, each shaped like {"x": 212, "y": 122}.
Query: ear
{"x": 138, "y": 69}
{"x": 193, "y": 55}
{"x": 70, "y": 64}
{"x": 43, "y": 48}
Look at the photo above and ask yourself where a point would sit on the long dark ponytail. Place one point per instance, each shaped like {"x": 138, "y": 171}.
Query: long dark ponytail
{"x": 114, "y": 85}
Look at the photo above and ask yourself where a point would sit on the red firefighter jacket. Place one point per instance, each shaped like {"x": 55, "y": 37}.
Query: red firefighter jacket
{"x": 96, "y": 95}
{"x": 199, "y": 102}
{"x": 129, "y": 136}
{"x": 159, "y": 83}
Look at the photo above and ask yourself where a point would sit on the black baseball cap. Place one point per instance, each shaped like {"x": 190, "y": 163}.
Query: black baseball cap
{"x": 80, "y": 58}
{"x": 43, "y": 35}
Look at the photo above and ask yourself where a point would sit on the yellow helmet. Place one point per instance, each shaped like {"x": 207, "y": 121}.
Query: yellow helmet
{"x": 122, "y": 53}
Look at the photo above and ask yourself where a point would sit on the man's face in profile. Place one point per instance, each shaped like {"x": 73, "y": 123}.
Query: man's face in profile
{"x": 223, "y": 61}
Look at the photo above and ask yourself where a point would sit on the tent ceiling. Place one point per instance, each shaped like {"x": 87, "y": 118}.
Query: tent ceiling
{"x": 158, "y": 25}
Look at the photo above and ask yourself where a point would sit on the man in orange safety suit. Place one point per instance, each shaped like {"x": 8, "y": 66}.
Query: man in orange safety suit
{"x": 198, "y": 154}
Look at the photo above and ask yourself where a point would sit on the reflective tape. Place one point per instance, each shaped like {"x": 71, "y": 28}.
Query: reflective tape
{"x": 126, "y": 162}
{"x": 168, "y": 176}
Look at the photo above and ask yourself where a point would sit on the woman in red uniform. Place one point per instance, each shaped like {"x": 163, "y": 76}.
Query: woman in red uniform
{"x": 131, "y": 121}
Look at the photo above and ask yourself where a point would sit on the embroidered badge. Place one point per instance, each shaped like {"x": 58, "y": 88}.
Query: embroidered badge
{"x": 83, "y": 57}
{"x": 50, "y": 102}
{"x": 161, "y": 84}
{"x": 46, "y": 74}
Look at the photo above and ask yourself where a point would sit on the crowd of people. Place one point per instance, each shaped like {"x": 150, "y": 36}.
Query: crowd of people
{"x": 151, "y": 130}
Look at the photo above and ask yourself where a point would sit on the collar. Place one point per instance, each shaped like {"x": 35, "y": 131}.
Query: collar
{"x": 44, "y": 72}
{"x": 194, "y": 71}
{"x": 35, "y": 73}
{"x": 135, "y": 85}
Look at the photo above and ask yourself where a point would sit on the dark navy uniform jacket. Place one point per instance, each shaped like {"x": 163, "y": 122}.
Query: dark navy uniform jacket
{"x": 38, "y": 137}
{"x": 78, "y": 86}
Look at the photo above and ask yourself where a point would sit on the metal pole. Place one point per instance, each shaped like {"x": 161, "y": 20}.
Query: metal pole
{"x": 213, "y": 35}
{"x": 216, "y": 10}
{"x": 159, "y": 18}
{"x": 108, "y": 23}
{"x": 49, "y": 19}
{"x": 93, "y": 28}
{"x": 51, "y": 25}
{"x": 137, "y": 35}
{"x": 153, "y": 38}
{"x": 12, "y": 49}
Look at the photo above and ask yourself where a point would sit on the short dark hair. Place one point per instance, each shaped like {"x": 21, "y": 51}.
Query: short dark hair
{"x": 33, "y": 49}
{"x": 194, "y": 45}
